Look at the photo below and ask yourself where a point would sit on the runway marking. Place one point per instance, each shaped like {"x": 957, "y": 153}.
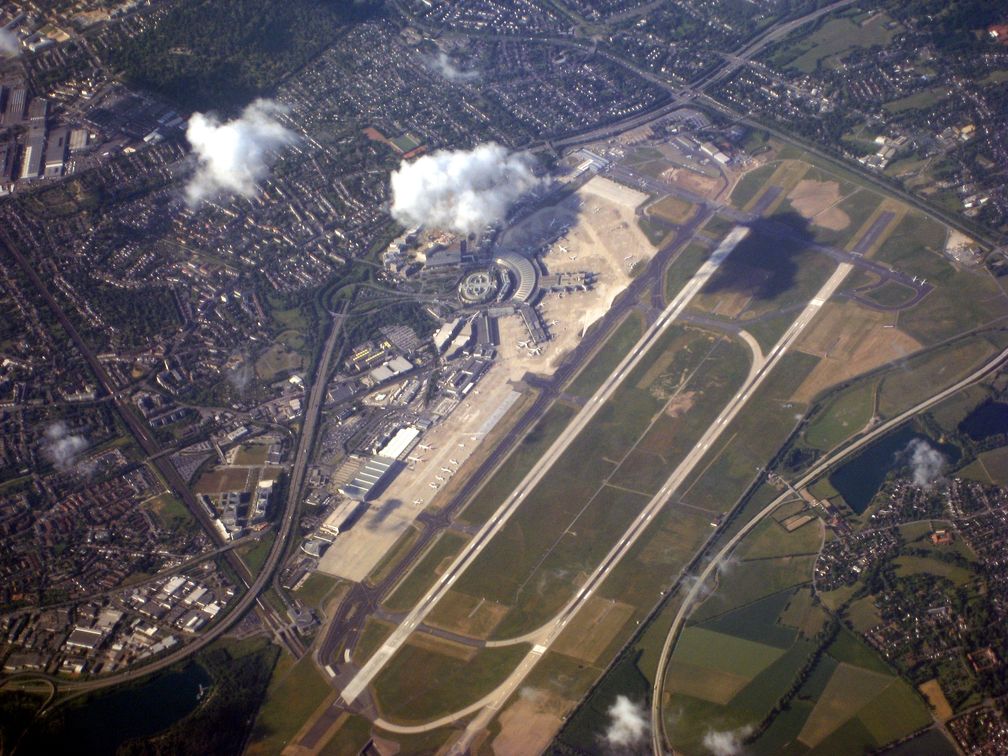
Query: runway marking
{"x": 398, "y": 637}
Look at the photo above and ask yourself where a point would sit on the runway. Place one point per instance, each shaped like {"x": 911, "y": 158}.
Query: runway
{"x": 376, "y": 663}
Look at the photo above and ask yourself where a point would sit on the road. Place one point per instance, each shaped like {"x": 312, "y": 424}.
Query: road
{"x": 544, "y": 637}
{"x": 253, "y": 586}
{"x": 658, "y": 736}
{"x": 347, "y": 621}
{"x": 499, "y": 519}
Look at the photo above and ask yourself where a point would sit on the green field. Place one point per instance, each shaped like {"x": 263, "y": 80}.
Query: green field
{"x": 751, "y": 184}
{"x": 683, "y": 268}
{"x": 844, "y": 415}
{"x": 770, "y": 539}
{"x": 316, "y": 589}
{"x": 924, "y": 99}
{"x": 293, "y": 694}
{"x": 276, "y": 361}
{"x": 255, "y": 554}
{"x": 741, "y": 583}
{"x": 902, "y": 388}
{"x": 833, "y": 38}
{"x": 422, "y": 576}
{"x": 890, "y": 294}
{"x": 915, "y": 565}
{"x": 568, "y": 522}
{"x": 605, "y": 360}
{"x": 418, "y": 685}
{"x": 519, "y": 462}
{"x": 172, "y": 513}
{"x": 770, "y": 416}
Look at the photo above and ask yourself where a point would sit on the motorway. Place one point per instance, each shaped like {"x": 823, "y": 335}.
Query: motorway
{"x": 499, "y": 519}
{"x": 659, "y": 738}
{"x": 253, "y": 587}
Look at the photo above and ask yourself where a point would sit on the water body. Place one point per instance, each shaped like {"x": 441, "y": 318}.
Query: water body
{"x": 105, "y": 721}
{"x": 988, "y": 419}
{"x": 862, "y": 477}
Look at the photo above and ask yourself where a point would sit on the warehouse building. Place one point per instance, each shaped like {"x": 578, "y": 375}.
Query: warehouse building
{"x": 366, "y": 482}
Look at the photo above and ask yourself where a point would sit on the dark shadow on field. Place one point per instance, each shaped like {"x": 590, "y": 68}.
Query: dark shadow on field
{"x": 764, "y": 263}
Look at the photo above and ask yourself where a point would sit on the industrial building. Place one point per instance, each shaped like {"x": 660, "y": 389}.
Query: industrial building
{"x": 56, "y": 151}
{"x": 339, "y": 519}
{"x": 401, "y": 442}
{"x": 370, "y": 476}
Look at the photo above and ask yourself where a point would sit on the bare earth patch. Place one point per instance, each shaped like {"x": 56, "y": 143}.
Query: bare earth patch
{"x": 851, "y": 340}
{"x": 697, "y": 183}
{"x": 587, "y": 637}
{"x": 529, "y": 724}
{"x": 816, "y": 200}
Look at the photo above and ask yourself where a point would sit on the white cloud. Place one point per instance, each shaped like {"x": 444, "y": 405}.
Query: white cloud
{"x": 628, "y": 724}
{"x": 726, "y": 742}
{"x": 461, "y": 190}
{"x": 445, "y": 66}
{"x": 61, "y": 447}
{"x": 926, "y": 462}
{"x": 9, "y": 42}
{"x": 232, "y": 157}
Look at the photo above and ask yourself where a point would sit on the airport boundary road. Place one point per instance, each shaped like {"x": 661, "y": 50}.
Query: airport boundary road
{"x": 376, "y": 663}
{"x": 658, "y": 736}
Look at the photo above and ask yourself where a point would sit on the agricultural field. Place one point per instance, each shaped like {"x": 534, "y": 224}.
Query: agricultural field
{"x": 827, "y": 45}
{"x": 758, "y": 662}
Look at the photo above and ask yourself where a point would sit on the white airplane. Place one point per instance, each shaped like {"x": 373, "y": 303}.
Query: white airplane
{"x": 553, "y": 322}
{"x": 426, "y": 447}
{"x": 447, "y": 469}
{"x": 535, "y": 352}
{"x": 415, "y": 459}
{"x": 461, "y": 444}
{"x": 439, "y": 477}
{"x": 573, "y": 257}
{"x": 433, "y": 485}
{"x": 522, "y": 344}
{"x": 418, "y": 501}
{"x": 453, "y": 461}
{"x": 563, "y": 249}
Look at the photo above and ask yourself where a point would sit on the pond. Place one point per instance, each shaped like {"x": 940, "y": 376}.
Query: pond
{"x": 986, "y": 420}
{"x": 861, "y": 478}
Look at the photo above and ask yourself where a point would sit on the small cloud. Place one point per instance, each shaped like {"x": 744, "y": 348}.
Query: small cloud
{"x": 445, "y": 66}
{"x": 726, "y": 742}
{"x": 926, "y": 462}
{"x": 628, "y": 725}
{"x": 10, "y": 45}
{"x": 62, "y": 447}
{"x": 232, "y": 157}
{"x": 461, "y": 190}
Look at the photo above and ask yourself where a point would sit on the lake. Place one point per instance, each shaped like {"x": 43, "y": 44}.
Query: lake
{"x": 861, "y": 478}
